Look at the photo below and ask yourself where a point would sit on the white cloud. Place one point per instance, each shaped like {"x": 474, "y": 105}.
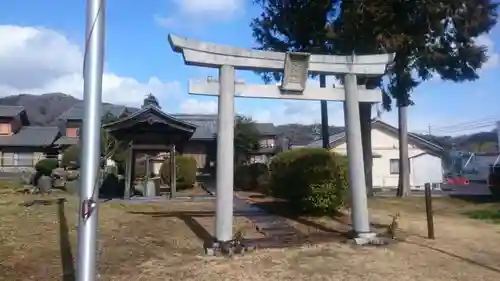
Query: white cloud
{"x": 39, "y": 60}
{"x": 199, "y": 10}
{"x": 201, "y": 7}
{"x": 194, "y": 106}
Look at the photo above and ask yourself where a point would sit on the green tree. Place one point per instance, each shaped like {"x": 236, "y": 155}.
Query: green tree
{"x": 111, "y": 147}
{"x": 428, "y": 37}
{"x": 151, "y": 100}
{"x": 246, "y": 139}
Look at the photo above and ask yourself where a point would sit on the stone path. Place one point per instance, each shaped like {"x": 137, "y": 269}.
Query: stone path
{"x": 156, "y": 199}
{"x": 270, "y": 225}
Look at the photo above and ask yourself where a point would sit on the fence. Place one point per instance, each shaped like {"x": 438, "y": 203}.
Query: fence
{"x": 478, "y": 166}
{"x": 15, "y": 163}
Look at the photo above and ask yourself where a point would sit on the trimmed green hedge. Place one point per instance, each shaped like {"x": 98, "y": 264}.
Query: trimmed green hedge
{"x": 71, "y": 157}
{"x": 186, "y": 169}
{"x": 252, "y": 177}
{"x": 312, "y": 180}
{"x": 46, "y": 166}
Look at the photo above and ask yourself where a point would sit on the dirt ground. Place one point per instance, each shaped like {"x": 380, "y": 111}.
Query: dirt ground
{"x": 164, "y": 242}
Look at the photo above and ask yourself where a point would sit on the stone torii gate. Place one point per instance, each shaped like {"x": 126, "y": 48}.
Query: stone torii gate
{"x": 296, "y": 68}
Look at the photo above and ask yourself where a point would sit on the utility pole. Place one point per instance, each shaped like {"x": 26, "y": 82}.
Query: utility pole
{"x": 429, "y": 130}
{"x": 89, "y": 190}
{"x": 325, "y": 132}
{"x": 404, "y": 162}
{"x": 498, "y": 136}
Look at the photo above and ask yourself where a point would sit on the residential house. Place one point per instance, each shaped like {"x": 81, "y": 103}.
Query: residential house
{"x": 23, "y": 145}
{"x": 269, "y": 144}
{"x": 426, "y": 157}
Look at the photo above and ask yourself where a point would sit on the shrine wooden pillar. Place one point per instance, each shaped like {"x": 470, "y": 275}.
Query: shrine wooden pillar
{"x": 173, "y": 172}
{"x": 129, "y": 162}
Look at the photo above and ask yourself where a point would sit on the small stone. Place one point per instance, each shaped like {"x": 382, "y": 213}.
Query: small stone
{"x": 238, "y": 249}
{"x": 59, "y": 173}
{"x": 72, "y": 175}
{"x": 44, "y": 184}
{"x": 209, "y": 251}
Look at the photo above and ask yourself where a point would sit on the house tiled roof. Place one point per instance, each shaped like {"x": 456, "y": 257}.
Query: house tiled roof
{"x": 206, "y": 124}
{"x": 146, "y": 113}
{"x": 336, "y": 134}
{"x": 64, "y": 140}
{"x": 339, "y": 137}
{"x": 10, "y": 111}
{"x": 31, "y": 136}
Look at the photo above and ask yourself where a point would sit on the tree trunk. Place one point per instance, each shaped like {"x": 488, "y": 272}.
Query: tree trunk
{"x": 325, "y": 132}
{"x": 365, "y": 113}
{"x": 404, "y": 162}
{"x": 325, "y": 135}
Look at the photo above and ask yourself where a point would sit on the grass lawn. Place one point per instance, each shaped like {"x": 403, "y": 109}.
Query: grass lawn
{"x": 162, "y": 242}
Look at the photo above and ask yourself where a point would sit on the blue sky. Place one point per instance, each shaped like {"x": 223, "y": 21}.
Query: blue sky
{"x": 43, "y": 39}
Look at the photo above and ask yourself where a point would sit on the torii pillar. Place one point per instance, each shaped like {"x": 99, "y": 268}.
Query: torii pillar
{"x": 296, "y": 68}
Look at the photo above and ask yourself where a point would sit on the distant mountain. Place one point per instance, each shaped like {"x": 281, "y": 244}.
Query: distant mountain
{"x": 300, "y": 134}
{"x": 42, "y": 109}
{"x": 477, "y": 142}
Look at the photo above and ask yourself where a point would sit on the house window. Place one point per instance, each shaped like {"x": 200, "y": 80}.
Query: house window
{"x": 72, "y": 132}
{"x": 267, "y": 143}
{"x": 394, "y": 166}
{"x": 19, "y": 159}
{"x": 23, "y": 159}
{"x": 8, "y": 159}
{"x": 4, "y": 128}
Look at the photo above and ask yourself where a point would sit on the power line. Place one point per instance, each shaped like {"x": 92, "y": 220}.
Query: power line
{"x": 469, "y": 123}
{"x": 458, "y": 129}
{"x": 462, "y": 126}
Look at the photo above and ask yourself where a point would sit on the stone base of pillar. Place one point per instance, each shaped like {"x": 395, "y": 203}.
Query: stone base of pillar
{"x": 369, "y": 238}
{"x": 227, "y": 248}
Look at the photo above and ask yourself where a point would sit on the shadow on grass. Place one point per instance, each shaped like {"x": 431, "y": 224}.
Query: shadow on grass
{"x": 188, "y": 218}
{"x": 273, "y": 241}
{"x": 476, "y": 199}
{"x": 283, "y": 209}
{"x": 68, "y": 266}
{"x": 464, "y": 259}
{"x": 196, "y": 228}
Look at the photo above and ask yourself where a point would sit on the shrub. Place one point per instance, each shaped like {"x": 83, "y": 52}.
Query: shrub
{"x": 241, "y": 177}
{"x": 251, "y": 177}
{"x": 186, "y": 169}
{"x": 312, "y": 180}
{"x": 46, "y": 166}
{"x": 71, "y": 157}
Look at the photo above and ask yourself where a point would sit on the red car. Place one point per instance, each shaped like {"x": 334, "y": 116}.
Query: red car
{"x": 456, "y": 180}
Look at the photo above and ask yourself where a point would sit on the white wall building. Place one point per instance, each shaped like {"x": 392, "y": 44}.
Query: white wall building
{"x": 426, "y": 163}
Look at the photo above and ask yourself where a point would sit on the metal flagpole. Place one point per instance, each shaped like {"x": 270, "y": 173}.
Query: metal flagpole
{"x": 90, "y": 154}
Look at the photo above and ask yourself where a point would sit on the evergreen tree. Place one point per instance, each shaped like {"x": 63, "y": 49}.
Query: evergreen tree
{"x": 246, "y": 139}
{"x": 428, "y": 37}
